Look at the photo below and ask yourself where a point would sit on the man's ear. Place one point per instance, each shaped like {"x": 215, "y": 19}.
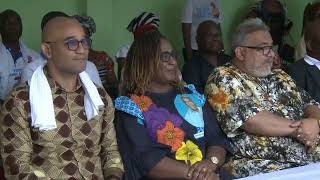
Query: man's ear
{"x": 239, "y": 52}
{"x": 46, "y": 50}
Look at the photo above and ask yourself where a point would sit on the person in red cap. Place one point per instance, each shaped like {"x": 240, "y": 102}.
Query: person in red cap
{"x": 144, "y": 22}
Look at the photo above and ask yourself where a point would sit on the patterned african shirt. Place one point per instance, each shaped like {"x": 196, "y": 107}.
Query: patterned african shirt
{"x": 237, "y": 96}
{"x": 76, "y": 149}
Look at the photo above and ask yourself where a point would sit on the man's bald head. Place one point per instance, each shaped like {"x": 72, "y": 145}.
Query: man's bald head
{"x": 57, "y": 26}
{"x": 57, "y": 35}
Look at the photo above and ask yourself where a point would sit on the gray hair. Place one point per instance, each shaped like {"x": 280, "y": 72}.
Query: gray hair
{"x": 246, "y": 27}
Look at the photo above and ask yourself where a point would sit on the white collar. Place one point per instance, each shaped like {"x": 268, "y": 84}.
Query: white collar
{"x": 312, "y": 61}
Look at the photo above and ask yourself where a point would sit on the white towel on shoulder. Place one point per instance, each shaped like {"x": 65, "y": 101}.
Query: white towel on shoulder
{"x": 42, "y": 110}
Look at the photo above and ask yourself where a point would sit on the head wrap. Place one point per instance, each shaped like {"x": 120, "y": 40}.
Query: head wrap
{"x": 87, "y": 22}
{"x": 144, "y": 22}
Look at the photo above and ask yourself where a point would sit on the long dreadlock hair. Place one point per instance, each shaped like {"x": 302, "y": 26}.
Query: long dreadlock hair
{"x": 141, "y": 63}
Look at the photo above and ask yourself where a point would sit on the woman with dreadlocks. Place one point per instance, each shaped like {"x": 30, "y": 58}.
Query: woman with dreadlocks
{"x": 165, "y": 130}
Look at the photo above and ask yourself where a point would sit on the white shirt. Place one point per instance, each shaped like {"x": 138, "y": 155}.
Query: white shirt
{"x": 91, "y": 69}
{"x": 312, "y": 61}
{"x": 10, "y": 70}
{"x": 197, "y": 11}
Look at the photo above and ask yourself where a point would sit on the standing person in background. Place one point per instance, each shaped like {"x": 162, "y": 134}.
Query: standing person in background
{"x": 195, "y": 12}
{"x": 101, "y": 59}
{"x": 311, "y": 12}
{"x": 209, "y": 40}
{"x": 274, "y": 14}
{"x": 306, "y": 71}
{"x": 144, "y": 22}
{"x": 14, "y": 54}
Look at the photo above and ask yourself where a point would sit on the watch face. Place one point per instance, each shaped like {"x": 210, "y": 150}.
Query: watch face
{"x": 214, "y": 160}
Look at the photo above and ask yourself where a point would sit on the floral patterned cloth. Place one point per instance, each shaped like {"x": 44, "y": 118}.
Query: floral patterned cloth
{"x": 164, "y": 132}
{"x": 237, "y": 96}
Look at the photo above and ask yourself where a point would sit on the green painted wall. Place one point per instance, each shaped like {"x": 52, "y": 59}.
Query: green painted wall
{"x": 31, "y": 12}
{"x": 295, "y": 13}
{"x": 233, "y": 12}
{"x": 112, "y": 17}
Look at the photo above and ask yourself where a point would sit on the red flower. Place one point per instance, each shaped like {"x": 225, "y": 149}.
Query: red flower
{"x": 171, "y": 136}
{"x": 143, "y": 102}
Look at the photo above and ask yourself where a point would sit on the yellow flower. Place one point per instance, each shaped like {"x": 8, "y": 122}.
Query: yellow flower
{"x": 189, "y": 152}
{"x": 39, "y": 174}
{"x": 237, "y": 91}
{"x": 284, "y": 77}
{"x": 318, "y": 149}
{"x": 273, "y": 167}
{"x": 262, "y": 140}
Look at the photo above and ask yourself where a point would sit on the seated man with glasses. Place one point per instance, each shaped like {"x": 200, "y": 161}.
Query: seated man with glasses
{"x": 28, "y": 70}
{"x": 60, "y": 125}
{"x": 272, "y": 123}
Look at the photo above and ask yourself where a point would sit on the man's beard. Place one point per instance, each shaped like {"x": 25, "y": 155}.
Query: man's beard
{"x": 259, "y": 72}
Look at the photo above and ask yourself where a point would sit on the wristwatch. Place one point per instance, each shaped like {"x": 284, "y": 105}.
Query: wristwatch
{"x": 214, "y": 160}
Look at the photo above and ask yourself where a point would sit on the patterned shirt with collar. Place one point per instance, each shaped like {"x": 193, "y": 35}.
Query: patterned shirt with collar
{"x": 237, "y": 97}
{"x": 76, "y": 149}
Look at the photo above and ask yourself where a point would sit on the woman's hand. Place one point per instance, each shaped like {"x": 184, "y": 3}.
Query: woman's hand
{"x": 204, "y": 169}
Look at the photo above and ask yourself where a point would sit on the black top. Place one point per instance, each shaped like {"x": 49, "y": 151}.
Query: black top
{"x": 307, "y": 77}
{"x": 197, "y": 70}
{"x": 140, "y": 153}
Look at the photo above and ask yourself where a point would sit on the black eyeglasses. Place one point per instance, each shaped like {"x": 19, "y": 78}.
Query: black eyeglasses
{"x": 264, "y": 49}
{"x": 73, "y": 44}
{"x": 166, "y": 56}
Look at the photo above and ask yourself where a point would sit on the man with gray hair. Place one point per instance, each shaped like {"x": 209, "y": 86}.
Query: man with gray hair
{"x": 271, "y": 123}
